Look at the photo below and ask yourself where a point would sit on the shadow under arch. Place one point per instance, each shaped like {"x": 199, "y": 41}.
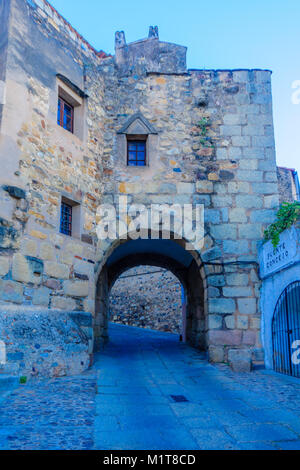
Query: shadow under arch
{"x": 169, "y": 254}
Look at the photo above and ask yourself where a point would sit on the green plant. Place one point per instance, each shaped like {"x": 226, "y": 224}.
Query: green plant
{"x": 287, "y": 215}
{"x": 203, "y": 125}
{"x": 23, "y": 380}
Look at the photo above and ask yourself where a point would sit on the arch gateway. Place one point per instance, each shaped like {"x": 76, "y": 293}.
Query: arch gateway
{"x": 78, "y": 129}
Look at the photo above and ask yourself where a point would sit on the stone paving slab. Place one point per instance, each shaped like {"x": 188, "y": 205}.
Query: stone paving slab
{"x": 125, "y": 402}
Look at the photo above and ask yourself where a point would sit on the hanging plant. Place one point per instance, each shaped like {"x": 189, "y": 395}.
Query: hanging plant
{"x": 287, "y": 215}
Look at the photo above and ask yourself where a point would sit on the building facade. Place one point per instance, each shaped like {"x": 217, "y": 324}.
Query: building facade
{"x": 80, "y": 128}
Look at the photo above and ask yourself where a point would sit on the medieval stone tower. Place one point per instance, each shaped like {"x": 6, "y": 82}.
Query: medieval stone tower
{"x": 79, "y": 128}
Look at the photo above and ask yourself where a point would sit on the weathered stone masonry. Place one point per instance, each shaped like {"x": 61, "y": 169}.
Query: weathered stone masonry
{"x": 210, "y": 141}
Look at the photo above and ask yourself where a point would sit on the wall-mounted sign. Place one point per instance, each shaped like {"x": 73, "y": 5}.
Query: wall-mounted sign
{"x": 274, "y": 259}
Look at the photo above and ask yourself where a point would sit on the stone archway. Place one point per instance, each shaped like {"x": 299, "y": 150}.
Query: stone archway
{"x": 168, "y": 254}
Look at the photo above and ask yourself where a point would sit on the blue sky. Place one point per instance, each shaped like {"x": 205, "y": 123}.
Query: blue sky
{"x": 218, "y": 34}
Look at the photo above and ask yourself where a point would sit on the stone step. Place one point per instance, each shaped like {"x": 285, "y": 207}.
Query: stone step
{"x": 258, "y": 365}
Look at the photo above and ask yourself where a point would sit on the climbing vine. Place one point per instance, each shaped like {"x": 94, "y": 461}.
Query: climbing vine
{"x": 287, "y": 215}
{"x": 203, "y": 125}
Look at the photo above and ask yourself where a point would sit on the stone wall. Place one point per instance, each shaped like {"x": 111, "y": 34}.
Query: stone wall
{"x": 210, "y": 142}
{"x": 151, "y": 300}
{"x": 287, "y": 182}
{"x": 45, "y": 343}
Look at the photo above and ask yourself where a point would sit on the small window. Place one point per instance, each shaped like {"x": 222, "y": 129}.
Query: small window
{"x": 136, "y": 153}
{"x": 65, "y": 115}
{"x": 66, "y": 219}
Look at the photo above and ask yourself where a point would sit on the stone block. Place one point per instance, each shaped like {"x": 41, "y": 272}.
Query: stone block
{"x": 233, "y": 119}
{"x": 254, "y": 129}
{"x": 230, "y": 130}
{"x": 216, "y": 354}
{"x": 238, "y": 247}
{"x": 263, "y": 216}
{"x": 63, "y": 303}
{"x": 237, "y": 291}
{"x": 216, "y": 280}
{"x": 224, "y": 231}
{"x": 238, "y": 187}
{"x": 204, "y": 187}
{"x": 239, "y": 360}
{"x": 41, "y": 296}
{"x": 225, "y": 337}
{"x": 237, "y": 279}
{"x": 249, "y": 338}
{"x": 240, "y": 141}
{"x": 38, "y": 234}
{"x": 11, "y": 291}
{"x": 66, "y": 258}
{"x": 47, "y": 252}
{"x": 247, "y": 306}
{"x": 254, "y": 152}
{"x": 74, "y": 248}
{"x": 271, "y": 176}
{"x": 53, "y": 284}
{"x": 251, "y": 231}
{"x": 83, "y": 267}
{"x": 234, "y": 152}
{"x": 238, "y": 215}
{"x": 230, "y": 322}
{"x": 221, "y": 305}
{"x": 21, "y": 269}
{"x": 29, "y": 247}
{"x": 222, "y": 201}
{"x": 249, "y": 175}
{"x": 271, "y": 202}
{"x": 4, "y": 265}
{"x": 242, "y": 322}
{"x": 76, "y": 288}
{"x": 215, "y": 322}
{"x": 255, "y": 323}
{"x": 249, "y": 164}
{"x": 212, "y": 215}
{"x": 57, "y": 270}
{"x": 185, "y": 188}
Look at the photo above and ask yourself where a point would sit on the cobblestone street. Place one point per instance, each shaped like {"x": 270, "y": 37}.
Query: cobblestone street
{"x": 128, "y": 401}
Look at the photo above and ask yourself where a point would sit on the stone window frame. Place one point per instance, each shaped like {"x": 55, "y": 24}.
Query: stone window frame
{"x": 137, "y": 128}
{"x": 77, "y": 218}
{"x": 75, "y": 98}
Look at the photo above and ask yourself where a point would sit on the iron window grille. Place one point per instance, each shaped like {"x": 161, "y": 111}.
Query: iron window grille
{"x": 136, "y": 153}
{"x": 66, "y": 219}
{"x": 65, "y": 115}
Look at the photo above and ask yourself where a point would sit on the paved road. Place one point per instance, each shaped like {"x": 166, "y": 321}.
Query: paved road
{"x": 132, "y": 406}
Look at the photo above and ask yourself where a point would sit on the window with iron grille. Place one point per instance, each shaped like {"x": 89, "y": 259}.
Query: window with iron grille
{"x": 65, "y": 115}
{"x": 136, "y": 153}
{"x": 66, "y": 219}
